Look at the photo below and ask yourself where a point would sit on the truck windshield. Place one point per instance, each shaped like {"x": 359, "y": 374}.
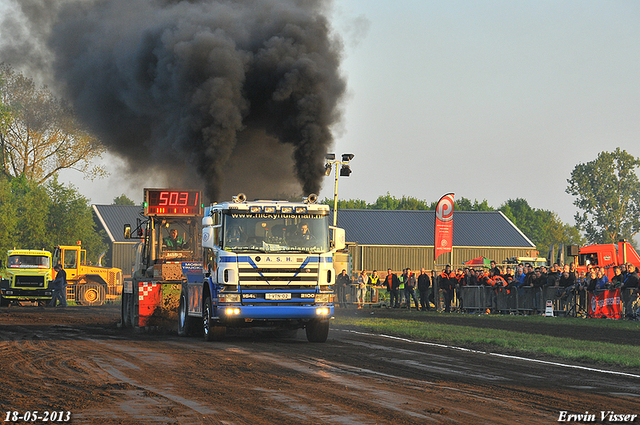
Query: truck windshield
{"x": 179, "y": 238}
{"x": 276, "y": 232}
{"x": 29, "y": 262}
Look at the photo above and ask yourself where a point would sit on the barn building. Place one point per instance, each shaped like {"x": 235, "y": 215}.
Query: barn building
{"x": 396, "y": 239}
{"x": 112, "y": 219}
{"x": 376, "y": 239}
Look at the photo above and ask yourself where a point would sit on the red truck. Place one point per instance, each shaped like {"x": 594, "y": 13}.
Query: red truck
{"x": 605, "y": 256}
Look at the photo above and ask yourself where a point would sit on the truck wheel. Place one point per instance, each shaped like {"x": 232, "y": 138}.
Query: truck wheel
{"x": 185, "y": 323}
{"x": 317, "y": 331}
{"x": 126, "y": 311}
{"x": 91, "y": 294}
{"x": 4, "y": 302}
{"x": 212, "y": 332}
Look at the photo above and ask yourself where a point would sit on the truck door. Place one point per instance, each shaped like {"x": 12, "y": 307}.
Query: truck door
{"x": 70, "y": 260}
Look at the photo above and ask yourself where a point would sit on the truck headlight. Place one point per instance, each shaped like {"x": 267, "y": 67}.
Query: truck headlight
{"x": 230, "y": 298}
{"x": 322, "y": 311}
{"x": 323, "y": 298}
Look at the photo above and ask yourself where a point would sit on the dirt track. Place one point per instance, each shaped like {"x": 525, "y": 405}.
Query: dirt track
{"x": 78, "y": 360}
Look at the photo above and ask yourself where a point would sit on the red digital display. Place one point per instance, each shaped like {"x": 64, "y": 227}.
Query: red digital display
{"x": 172, "y": 202}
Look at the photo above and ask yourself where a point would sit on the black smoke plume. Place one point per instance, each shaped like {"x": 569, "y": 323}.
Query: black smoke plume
{"x": 206, "y": 92}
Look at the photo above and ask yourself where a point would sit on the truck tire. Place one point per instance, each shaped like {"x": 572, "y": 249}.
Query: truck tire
{"x": 91, "y": 294}
{"x": 126, "y": 311}
{"x": 185, "y": 323}
{"x": 317, "y": 331}
{"x": 212, "y": 332}
{"x": 4, "y": 302}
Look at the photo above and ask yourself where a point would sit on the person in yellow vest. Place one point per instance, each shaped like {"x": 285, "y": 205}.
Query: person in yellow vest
{"x": 374, "y": 280}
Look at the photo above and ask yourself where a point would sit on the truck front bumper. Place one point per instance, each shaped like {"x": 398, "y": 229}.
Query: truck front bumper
{"x": 26, "y": 294}
{"x": 252, "y": 312}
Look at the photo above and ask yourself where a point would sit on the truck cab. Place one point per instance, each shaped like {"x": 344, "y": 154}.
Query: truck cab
{"x": 265, "y": 264}
{"x": 606, "y": 256}
{"x": 169, "y": 251}
{"x": 26, "y": 276}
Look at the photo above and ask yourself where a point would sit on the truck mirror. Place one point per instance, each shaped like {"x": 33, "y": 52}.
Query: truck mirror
{"x": 207, "y": 221}
{"x": 127, "y": 231}
{"x": 337, "y": 238}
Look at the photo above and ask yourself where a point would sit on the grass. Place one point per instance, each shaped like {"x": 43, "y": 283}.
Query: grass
{"x": 624, "y": 355}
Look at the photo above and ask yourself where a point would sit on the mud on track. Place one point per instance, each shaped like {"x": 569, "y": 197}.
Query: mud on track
{"x": 77, "y": 359}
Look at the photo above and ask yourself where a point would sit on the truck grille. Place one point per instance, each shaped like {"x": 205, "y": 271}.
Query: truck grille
{"x": 266, "y": 276}
{"x": 29, "y": 281}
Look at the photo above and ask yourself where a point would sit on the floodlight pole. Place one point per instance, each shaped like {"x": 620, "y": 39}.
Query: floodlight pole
{"x": 335, "y": 200}
{"x": 331, "y": 161}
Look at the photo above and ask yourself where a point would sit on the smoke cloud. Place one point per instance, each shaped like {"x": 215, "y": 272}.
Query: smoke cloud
{"x": 208, "y": 93}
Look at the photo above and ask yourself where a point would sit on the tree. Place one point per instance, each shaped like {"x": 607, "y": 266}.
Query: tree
{"x": 607, "y": 192}
{"x": 36, "y": 216}
{"x": 70, "y": 220}
{"x": 122, "y": 200}
{"x": 39, "y": 134}
{"x": 544, "y": 228}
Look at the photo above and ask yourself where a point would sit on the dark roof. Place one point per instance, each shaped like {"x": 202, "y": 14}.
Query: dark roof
{"x": 400, "y": 227}
{"x": 114, "y": 217}
{"x": 374, "y": 227}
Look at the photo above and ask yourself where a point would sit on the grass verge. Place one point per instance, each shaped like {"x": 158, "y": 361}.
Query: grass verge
{"x": 624, "y": 355}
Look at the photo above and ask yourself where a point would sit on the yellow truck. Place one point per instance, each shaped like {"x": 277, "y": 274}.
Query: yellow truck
{"x": 25, "y": 276}
{"x": 87, "y": 284}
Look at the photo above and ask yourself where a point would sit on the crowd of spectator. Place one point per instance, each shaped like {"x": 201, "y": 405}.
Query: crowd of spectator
{"x": 519, "y": 277}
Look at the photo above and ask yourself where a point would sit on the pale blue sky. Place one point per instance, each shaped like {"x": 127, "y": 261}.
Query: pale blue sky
{"x": 488, "y": 99}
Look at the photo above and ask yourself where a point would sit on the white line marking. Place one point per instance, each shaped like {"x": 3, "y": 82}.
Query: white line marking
{"x": 453, "y": 347}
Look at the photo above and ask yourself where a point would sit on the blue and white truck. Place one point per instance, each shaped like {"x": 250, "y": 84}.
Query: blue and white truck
{"x": 266, "y": 264}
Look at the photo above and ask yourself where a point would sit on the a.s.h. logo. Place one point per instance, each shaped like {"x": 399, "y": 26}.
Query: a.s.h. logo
{"x": 444, "y": 211}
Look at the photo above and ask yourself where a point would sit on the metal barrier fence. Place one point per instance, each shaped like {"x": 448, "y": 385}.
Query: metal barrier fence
{"x": 525, "y": 301}
{"x": 565, "y": 302}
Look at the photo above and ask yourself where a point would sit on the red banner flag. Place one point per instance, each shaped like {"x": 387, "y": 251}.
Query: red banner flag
{"x": 444, "y": 226}
{"x": 605, "y": 304}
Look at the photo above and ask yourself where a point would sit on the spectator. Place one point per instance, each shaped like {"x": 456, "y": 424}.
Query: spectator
{"x": 374, "y": 280}
{"x": 361, "y": 290}
{"x": 629, "y": 289}
{"x": 424, "y": 283}
{"x": 447, "y": 281}
{"x": 470, "y": 277}
{"x": 617, "y": 279}
{"x": 496, "y": 282}
{"x": 567, "y": 279}
{"x": 392, "y": 284}
{"x": 603, "y": 281}
{"x": 623, "y": 270}
{"x": 592, "y": 280}
{"x": 631, "y": 280}
{"x": 410, "y": 289}
{"x": 553, "y": 276}
{"x": 59, "y": 285}
{"x": 459, "y": 284}
{"x": 342, "y": 285}
{"x": 519, "y": 277}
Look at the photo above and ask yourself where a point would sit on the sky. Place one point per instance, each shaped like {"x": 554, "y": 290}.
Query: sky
{"x": 491, "y": 100}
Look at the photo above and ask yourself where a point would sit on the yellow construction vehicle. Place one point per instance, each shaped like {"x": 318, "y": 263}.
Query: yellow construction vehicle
{"x": 25, "y": 276}
{"x": 87, "y": 284}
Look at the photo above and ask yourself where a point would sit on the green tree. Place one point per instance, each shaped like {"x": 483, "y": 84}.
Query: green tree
{"x": 122, "y": 200}
{"x": 607, "y": 192}
{"x": 32, "y": 205}
{"x": 8, "y": 216}
{"x": 70, "y": 220}
{"x": 39, "y": 134}
{"x": 544, "y": 228}
{"x": 36, "y": 216}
